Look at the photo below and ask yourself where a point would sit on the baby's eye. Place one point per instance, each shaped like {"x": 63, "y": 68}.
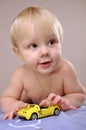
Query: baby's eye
{"x": 51, "y": 42}
{"x": 33, "y": 45}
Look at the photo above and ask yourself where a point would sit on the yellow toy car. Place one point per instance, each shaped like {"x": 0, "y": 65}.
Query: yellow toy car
{"x": 34, "y": 111}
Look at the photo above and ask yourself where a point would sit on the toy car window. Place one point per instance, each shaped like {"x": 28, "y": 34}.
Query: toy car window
{"x": 31, "y": 105}
{"x": 43, "y": 107}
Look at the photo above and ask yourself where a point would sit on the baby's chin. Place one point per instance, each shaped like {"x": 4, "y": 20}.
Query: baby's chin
{"x": 45, "y": 72}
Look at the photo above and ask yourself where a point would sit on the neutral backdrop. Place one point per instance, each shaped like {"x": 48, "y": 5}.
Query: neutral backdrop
{"x": 72, "y": 15}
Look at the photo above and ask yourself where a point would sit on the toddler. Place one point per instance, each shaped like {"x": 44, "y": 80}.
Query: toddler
{"x": 45, "y": 78}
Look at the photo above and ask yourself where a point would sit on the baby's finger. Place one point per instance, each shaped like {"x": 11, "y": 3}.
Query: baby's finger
{"x": 64, "y": 101}
{"x": 65, "y": 105}
{"x": 56, "y": 100}
{"x": 11, "y": 115}
{"x": 71, "y": 107}
{"x": 5, "y": 116}
{"x": 51, "y": 96}
{"x": 43, "y": 103}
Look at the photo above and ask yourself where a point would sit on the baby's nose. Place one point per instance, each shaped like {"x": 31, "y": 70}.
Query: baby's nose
{"x": 44, "y": 51}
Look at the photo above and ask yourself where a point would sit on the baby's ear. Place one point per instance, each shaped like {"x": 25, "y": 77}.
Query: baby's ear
{"x": 18, "y": 53}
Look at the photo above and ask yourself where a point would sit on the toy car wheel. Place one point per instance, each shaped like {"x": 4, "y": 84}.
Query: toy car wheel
{"x": 34, "y": 116}
{"x": 56, "y": 111}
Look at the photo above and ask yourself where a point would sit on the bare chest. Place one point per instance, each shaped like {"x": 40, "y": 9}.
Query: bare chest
{"x": 38, "y": 90}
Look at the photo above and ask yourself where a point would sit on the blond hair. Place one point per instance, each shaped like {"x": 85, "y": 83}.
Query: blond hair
{"x": 41, "y": 17}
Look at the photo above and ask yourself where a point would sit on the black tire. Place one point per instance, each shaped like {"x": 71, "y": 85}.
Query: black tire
{"x": 56, "y": 111}
{"x": 34, "y": 116}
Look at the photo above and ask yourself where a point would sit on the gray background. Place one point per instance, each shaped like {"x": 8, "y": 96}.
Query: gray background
{"x": 72, "y": 15}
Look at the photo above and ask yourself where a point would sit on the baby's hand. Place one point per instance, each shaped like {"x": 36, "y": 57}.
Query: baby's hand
{"x": 10, "y": 115}
{"x": 54, "y": 99}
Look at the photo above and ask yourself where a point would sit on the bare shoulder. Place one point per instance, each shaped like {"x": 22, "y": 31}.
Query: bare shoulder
{"x": 67, "y": 64}
{"x": 69, "y": 70}
{"x": 19, "y": 71}
{"x": 16, "y": 79}
{"x": 68, "y": 67}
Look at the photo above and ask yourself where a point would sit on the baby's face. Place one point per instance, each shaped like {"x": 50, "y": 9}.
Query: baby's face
{"x": 40, "y": 49}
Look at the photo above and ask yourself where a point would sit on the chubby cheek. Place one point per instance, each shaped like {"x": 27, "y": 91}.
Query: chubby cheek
{"x": 57, "y": 54}
{"x": 57, "y": 57}
{"x": 30, "y": 62}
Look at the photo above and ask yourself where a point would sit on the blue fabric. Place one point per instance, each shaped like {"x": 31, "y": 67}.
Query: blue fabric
{"x": 69, "y": 120}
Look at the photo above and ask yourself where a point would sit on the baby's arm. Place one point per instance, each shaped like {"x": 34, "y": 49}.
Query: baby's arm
{"x": 74, "y": 92}
{"x": 10, "y": 100}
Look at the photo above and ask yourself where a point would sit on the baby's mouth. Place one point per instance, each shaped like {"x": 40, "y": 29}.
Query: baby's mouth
{"x": 45, "y": 64}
